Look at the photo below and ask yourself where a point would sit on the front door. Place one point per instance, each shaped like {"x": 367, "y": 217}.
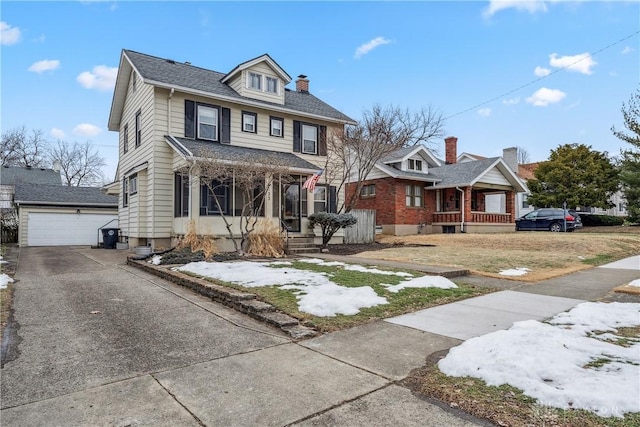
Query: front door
{"x": 291, "y": 206}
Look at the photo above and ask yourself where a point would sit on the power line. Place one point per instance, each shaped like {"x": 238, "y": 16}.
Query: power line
{"x": 495, "y": 98}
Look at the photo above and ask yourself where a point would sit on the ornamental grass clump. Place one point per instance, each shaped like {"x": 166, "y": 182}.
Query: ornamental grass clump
{"x": 265, "y": 240}
{"x": 196, "y": 243}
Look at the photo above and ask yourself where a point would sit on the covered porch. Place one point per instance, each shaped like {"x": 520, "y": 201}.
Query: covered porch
{"x": 473, "y": 209}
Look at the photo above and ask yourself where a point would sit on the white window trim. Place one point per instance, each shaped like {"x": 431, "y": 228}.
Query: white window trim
{"x": 251, "y": 120}
{"x": 271, "y": 127}
{"x": 266, "y": 86}
{"x": 133, "y": 184}
{"x": 302, "y": 139}
{"x": 250, "y": 75}
{"x": 215, "y": 125}
{"x": 412, "y": 164}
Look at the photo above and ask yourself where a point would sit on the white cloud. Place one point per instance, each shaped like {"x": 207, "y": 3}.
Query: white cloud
{"x": 86, "y": 129}
{"x": 531, "y": 6}
{"x": 45, "y": 65}
{"x": 370, "y": 45}
{"x": 40, "y": 39}
{"x": 581, "y": 63}
{"x": 543, "y": 97}
{"x": 100, "y": 78}
{"x": 541, "y": 71}
{"x": 57, "y": 133}
{"x": 484, "y": 112}
{"x": 8, "y": 34}
{"x": 512, "y": 101}
{"x": 627, "y": 50}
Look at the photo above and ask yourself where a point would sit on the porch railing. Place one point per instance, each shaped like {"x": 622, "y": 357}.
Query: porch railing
{"x": 476, "y": 217}
{"x": 490, "y": 217}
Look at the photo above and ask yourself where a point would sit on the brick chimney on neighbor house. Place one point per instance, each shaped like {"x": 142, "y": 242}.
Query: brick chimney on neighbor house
{"x": 302, "y": 84}
{"x": 450, "y": 150}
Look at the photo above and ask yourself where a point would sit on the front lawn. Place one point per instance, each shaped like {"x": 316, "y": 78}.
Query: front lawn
{"x": 330, "y": 296}
{"x": 543, "y": 254}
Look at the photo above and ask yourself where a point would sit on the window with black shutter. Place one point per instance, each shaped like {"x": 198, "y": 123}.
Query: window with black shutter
{"x": 181, "y": 199}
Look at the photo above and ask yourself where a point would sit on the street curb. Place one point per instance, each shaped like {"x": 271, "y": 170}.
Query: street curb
{"x": 243, "y": 302}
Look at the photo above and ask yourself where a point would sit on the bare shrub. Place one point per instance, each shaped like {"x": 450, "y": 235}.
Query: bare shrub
{"x": 191, "y": 240}
{"x": 265, "y": 240}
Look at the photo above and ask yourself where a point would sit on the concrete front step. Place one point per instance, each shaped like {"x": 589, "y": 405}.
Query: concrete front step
{"x": 304, "y": 250}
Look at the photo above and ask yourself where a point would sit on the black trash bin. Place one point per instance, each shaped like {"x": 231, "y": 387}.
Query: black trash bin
{"x": 110, "y": 237}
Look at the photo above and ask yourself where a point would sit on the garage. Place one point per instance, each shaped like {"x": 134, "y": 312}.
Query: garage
{"x": 63, "y": 229}
{"x": 57, "y": 215}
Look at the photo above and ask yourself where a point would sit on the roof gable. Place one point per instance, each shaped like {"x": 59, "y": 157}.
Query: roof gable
{"x": 405, "y": 153}
{"x": 252, "y": 62}
{"x": 469, "y": 173}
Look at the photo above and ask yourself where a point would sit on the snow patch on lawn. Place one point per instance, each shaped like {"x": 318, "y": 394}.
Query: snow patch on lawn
{"x": 4, "y": 280}
{"x": 424, "y": 282}
{"x": 156, "y": 260}
{"x": 635, "y": 283}
{"x": 520, "y": 271}
{"x": 315, "y": 292}
{"x": 355, "y": 267}
{"x": 548, "y": 361}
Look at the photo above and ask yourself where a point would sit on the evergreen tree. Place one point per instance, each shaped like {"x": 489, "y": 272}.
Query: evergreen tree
{"x": 630, "y": 164}
{"x": 574, "y": 174}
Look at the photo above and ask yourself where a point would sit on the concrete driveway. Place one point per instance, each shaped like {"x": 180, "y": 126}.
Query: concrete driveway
{"x": 101, "y": 343}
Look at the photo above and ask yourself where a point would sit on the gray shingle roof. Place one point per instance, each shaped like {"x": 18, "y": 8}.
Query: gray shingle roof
{"x": 429, "y": 177}
{"x": 191, "y": 147}
{"x": 191, "y": 77}
{"x": 397, "y": 155}
{"x": 61, "y": 195}
{"x": 12, "y": 175}
{"x": 461, "y": 174}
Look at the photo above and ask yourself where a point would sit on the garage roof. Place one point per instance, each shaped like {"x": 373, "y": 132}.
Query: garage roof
{"x": 12, "y": 175}
{"x": 59, "y": 195}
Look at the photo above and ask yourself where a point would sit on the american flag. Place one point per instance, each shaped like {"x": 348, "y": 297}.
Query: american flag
{"x": 310, "y": 184}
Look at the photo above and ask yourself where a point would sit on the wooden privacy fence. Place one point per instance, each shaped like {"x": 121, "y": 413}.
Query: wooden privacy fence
{"x": 364, "y": 231}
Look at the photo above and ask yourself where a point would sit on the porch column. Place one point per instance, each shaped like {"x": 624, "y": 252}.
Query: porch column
{"x": 467, "y": 204}
{"x": 510, "y": 205}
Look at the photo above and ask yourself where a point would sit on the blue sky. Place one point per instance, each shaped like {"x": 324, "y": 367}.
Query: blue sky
{"x": 535, "y": 74}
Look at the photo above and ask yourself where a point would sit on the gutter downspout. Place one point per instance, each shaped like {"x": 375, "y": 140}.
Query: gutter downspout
{"x": 153, "y": 215}
{"x": 461, "y": 210}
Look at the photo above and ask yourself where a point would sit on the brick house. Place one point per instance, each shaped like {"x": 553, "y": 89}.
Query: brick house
{"x": 413, "y": 192}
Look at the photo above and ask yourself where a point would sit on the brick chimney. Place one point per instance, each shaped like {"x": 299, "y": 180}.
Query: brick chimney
{"x": 450, "y": 150}
{"x": 302, "y": 84}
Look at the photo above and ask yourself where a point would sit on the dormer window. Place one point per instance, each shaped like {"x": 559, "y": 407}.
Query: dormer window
{"x": 255, "y": 81}
{"x": 272, "y": 85}
{"x": 414, "y": 165}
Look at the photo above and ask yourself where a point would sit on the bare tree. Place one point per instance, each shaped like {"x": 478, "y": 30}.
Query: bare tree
{"x": 352, "y": 153}
{"x": 247, "y": 179}
{"x": 20, "y": 148}
{"x": 523, "y": 156}
{"x": 80, "y": 164}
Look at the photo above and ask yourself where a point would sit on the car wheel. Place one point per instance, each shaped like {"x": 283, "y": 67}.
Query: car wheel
{"x": 555, "y": 227}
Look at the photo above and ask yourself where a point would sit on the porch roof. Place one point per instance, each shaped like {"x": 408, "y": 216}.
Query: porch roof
{"x": 469, "y": 173}
{"x": 197, "y": 148}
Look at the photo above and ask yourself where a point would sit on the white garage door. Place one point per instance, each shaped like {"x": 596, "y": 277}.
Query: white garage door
{"x": 62, "y": 229}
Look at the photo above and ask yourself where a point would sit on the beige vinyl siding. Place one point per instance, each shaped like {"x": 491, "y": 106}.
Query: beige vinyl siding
{"x": 494, "y": 176}
{"x": 237, "y": 82}
{"x": 160, "y": 209}
{"x": 141, "y": 100}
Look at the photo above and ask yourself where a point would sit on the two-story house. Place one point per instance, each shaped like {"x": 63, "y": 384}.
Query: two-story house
{"x": 414, "y": 192}
{"x": 168, "y": 112}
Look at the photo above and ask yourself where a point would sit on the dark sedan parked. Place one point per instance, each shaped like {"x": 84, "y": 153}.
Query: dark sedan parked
{"x": 547, "y": 219}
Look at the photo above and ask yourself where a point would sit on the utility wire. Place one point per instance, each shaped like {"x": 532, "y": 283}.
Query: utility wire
{"x": 543, "y": 77}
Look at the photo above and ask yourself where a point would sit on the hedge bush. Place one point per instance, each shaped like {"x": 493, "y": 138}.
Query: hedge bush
{"x": 591, "y": 220}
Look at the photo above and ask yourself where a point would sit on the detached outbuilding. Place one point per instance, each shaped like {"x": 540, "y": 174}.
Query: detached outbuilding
{"x": 56, "y": 215}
